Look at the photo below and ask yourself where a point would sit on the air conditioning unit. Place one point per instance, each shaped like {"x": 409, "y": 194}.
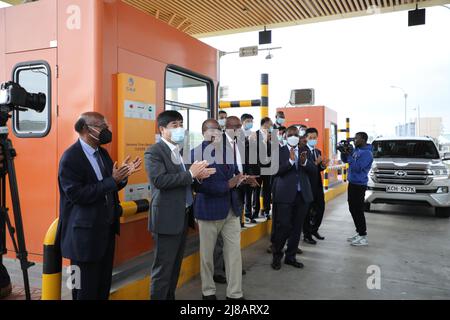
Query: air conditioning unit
{"x": 302, "y": 97}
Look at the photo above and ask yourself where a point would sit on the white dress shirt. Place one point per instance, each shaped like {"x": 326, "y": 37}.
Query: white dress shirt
{"x": 89, "y": 152}
{"x": 238, "y": 155}
{"x": 176, "y": 152}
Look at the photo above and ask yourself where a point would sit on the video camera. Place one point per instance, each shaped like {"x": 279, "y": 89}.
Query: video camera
{"x": 346, "y": 146}
{"x": 14, "y": 97}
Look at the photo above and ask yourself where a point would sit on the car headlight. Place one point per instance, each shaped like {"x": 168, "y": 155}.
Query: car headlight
{"x": 440, "y": 172}
{"x": 442, "y": 190}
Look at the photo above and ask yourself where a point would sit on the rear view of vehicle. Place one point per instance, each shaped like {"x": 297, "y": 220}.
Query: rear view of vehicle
{"x": 409, "y": 171}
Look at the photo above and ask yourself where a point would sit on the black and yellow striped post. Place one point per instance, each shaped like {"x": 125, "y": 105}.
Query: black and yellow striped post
{"x": 347, "y": 127}
{"x": 326, "y": 181}
{"x": 239, "y": 104}
{"x": 344, "y": 176}
{"x": 51, "y": 275}
{"x": 130, "y": 208}
{"x": 264, "y": 95}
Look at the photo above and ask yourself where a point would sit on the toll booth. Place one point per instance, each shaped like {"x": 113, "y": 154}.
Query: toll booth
{"x": 325, "y": 120}
{"x": 105, "y": 56}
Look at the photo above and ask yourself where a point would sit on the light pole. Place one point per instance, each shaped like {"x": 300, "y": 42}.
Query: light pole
{"x": 406, "y": 100}
{"x": 418, "y": 120}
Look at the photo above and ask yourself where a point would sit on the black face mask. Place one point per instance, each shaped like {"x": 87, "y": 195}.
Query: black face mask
{"x": 104, "y": 137}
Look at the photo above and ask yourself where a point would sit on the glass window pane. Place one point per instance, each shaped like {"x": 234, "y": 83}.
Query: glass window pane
{"x": 196, "y": 119}
{"x": 186, "y": 90}
{"x": 34, "y": 79}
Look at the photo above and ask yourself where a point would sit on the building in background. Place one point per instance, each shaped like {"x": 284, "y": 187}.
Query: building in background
{"x": 430, "y": 126}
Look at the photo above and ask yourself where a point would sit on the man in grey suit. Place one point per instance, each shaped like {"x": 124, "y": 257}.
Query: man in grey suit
{"x": 171, "y": 203}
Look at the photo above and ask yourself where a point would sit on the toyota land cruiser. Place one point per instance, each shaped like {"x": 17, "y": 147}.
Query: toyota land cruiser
{"x": 409, "y": 171}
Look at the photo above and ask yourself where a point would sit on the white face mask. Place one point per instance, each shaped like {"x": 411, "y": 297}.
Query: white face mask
{"x": 222, "y": 122}
{"x": 293, "y": 141}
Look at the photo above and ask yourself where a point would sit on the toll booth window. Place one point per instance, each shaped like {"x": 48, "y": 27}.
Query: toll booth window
{"x": 34, "y": 78}
{"x": 191, "y": 96}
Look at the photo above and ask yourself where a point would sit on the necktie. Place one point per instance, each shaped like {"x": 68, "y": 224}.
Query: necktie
{"x": 189, "y": 197}
{"x": 296, "y": 166}
{"x": 109, "y": 199}
{"x": 101, "y": 165}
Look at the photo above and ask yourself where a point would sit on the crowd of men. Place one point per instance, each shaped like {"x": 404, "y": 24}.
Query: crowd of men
{"x": 209, "y": 187}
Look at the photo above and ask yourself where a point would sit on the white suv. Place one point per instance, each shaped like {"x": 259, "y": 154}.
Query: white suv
{"x": 409, "y": 171}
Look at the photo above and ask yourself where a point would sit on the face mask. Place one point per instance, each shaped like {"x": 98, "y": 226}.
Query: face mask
{"x": 280, "y": 137}
{"x": 293, "y": 141}
{"x": 222, "y": 122}
{"x": 104, "y": 136}
{"x": 302, "y": 133}
{"x": 281, "y": 121}
{"x": 312, "y": 143}
{"x": 177, "y": 135}
{"x": 248, "y": 126}
{"x": 270, "y": 130}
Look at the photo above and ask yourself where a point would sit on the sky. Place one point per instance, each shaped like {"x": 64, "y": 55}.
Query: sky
{"x": 351, "y": 64}
{"x": 4, "y": 4}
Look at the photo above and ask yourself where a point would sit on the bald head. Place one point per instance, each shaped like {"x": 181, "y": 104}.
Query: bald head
{"x": 233, "y": 123}
{"x": 87, "y": 119}
{"x": 210, "y": 124}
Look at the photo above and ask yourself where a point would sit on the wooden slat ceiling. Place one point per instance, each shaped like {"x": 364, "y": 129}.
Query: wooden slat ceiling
{"x": 202, "y": 18}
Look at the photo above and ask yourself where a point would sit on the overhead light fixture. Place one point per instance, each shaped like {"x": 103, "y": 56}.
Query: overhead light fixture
{"x": 416, "y": 17}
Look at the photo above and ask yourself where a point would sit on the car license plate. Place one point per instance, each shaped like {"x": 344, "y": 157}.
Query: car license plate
{"x": 400, "y": 189}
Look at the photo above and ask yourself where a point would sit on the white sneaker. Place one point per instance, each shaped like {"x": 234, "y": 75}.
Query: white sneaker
{"x": 361, "y": 241}
{"x": 351, "y": 239}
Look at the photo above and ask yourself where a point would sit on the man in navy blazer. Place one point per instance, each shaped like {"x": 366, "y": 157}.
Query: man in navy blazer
{"x": 291, "y": 196}
{"x": 218, "y": 206}
{"x": 89, "y": 206}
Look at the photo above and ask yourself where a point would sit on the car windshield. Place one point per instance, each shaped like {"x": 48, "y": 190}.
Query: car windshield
{"x": 405, "y": 149}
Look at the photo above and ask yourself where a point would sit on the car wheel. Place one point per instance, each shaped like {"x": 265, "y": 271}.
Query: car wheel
{"x": 443, "y": 212}
{"x": 367, "y": 206}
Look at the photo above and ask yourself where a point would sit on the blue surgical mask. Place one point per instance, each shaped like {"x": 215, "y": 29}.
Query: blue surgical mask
{"x": 312, "y": 143}
{"x": 177, "y": 135}
{"x": 222, "y": 122}
{"x": 281, "y": 121}
{"x": 248, "y": 126}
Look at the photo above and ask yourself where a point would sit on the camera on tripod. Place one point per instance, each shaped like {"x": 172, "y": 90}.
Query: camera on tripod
{"x": 346, "y": 146}
{"x": 14, "y": 97}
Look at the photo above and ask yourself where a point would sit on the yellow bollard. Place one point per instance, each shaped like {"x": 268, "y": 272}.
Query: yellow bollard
{"x": 326, "y": 181}
{"x": 51, "y": 275}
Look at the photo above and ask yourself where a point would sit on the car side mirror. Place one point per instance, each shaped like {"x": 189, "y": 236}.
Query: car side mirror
{"x": 446, "y": 156}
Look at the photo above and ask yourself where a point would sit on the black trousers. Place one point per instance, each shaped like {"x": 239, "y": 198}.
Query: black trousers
{"x": 314, "y": 217}
{"x": 288, "y": 220}
{"x": 95, "y": 277}
{"x": 267, "y": 193}
{"x": 252, "y": 202}
{"x": 169, "y": 254}
{"x": 356, "y": 195}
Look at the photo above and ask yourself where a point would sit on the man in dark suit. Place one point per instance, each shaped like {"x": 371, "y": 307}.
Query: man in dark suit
{"x": 263, "y": 141}
{"x": 171, "y": 204}
{"x": 313, "y": 219}
{"x": 291, "y": 196}
{"x": 89, "y": 206}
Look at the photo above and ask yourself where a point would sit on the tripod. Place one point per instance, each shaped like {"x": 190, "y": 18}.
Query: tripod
{"x": 16, "y": 232}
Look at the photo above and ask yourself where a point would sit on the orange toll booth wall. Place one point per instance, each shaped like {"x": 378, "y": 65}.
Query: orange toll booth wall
{"x": 320, "y": 117}
{"x": 82, "y": 47}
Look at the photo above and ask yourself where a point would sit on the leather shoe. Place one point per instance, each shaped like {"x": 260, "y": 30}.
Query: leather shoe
{"x": 294, "y": 263}
{"x": 276, "y": 265}
{"x": 318, "y": 236}
{"x": 310, "y": 240}
{"x": 220, "y": 279}
{"x": 299, "y": 251}
{"x": 212, "y": 297}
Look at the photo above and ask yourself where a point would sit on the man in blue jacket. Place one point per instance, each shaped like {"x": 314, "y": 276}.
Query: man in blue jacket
{"x": 360, "y": 162}
{"x": 218, "y": 206}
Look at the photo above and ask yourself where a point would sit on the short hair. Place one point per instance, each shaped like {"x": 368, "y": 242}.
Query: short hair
{"x": 265, "y": 120}
{"x": 246, "y": 116}
{"x": 80, "y": 125}
{"x": 292, "y": 128}
{"x": 282, "y": 129}
{"x": 311, "y": 130}
{"x": 280, "y": 113}
{"x": 206, "y": 124}
{"x": 222, "y": 112}
{"x": 363, "y": 136}
{"x": 167, "y": 117}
